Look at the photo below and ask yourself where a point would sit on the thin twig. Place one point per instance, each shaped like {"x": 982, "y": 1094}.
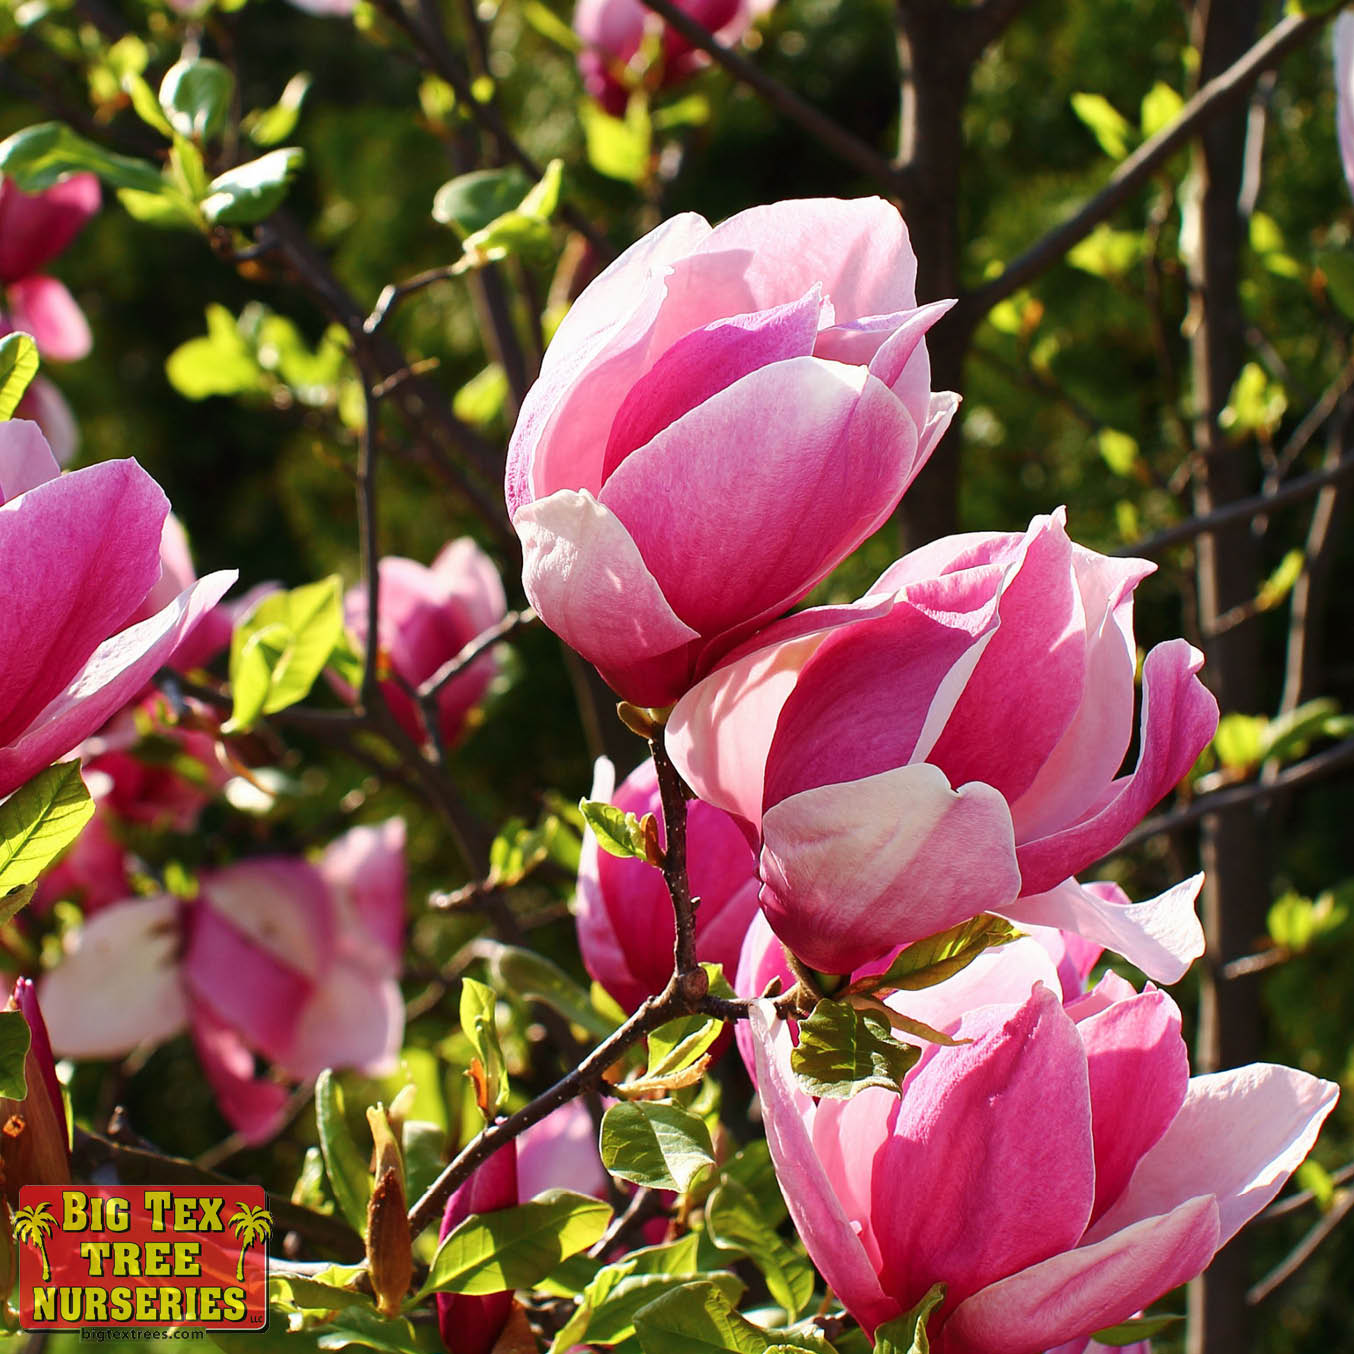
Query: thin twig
{"x": 495, "y": 634}
{"x": 674, "y": 795}
{"x": 1282, "y": 1207}
{"x": 1303, "y": 1251}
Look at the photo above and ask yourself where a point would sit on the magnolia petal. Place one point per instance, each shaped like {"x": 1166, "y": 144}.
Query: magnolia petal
{"x": 1089, "y": 1288}
{"x": 1161, "y": 936}
{"x": 254, "y": 1106}
{"x": 118, "y": 984}
{"x": 42, "y": 306}
{"x": 25, "y": 458}
{"x": 853, "y": 870}
{"x": 585, "y": 576}
{"x": 1239, "y": 1135}
{"x": 353, "y": 1019}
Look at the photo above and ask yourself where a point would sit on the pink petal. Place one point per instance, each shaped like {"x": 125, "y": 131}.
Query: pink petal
{"x": 1021, "y": 698}
{"x": 44, "y": 308}
{"x": 858, "y": 249}
{"x": 354, "y": 1018}
{"x": 77, "y": 553}
{"x": 876, "y": 693}
{"x": 118, "y": 983}
{"x": 245, "y": 986}
{"x": 112, "y": 675}
{"x": 706, "y": 361}
{"x": 46, "y": 406}
{"x": 469, "y": 579}
{"x": 253, "y": 1105}
{"x": 818, "y": 1216}
{"x": 1139, "y": 1073}
{"x": 364, "y": 870}
{"x": 596, "y": 355}
{"x": 36, "y": 227}
{"x": 1161, "y": 936}
{"x": 1089, "y": 1288}
{"x": 1239, "y": 1135}
{"x": 281, "y": 905}
{"x": 1179, "y": 716}
{"x": 989, "y": 1168}
{"x": 920, "y": 856}
{"x": 816, "y": 454}
{"x": 560, "y": 1152}
{"x": 25, "y": 458}
{"x": 583, "y": 572}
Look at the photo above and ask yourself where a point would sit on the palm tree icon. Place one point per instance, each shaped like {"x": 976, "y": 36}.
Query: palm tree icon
{"x": 250, "y": 1223}
{"x": 34, "y": 1224}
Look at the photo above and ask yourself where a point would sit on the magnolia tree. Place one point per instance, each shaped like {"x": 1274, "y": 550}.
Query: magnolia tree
{"x": 832, "y": 1017}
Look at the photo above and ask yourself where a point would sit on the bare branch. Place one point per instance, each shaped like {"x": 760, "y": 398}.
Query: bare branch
{"x": 1303, "y": 1251}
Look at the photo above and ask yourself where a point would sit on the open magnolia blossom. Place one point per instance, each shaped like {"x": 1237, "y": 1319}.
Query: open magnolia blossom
{"x": 428, "y": 614}
{"x": 950, "y": 745}
{"x": 723, "y": 416}
{"x": 292, "y": 960}
{"x": 625, "y": 924}
{"x": 612, "y": 32}
{"x": 79, "y": 553}
{"x": 1057, "y": 1173}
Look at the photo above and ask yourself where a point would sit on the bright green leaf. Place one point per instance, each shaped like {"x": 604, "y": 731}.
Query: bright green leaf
{"x": 1337, "y": 266}
{"x": 482, "y": 399}
{"x": 1109, "y": 126}
{"x": 1107, "y": 252}
{"x": 18, "y": 366}
{"x": 540, "y": 203}
{"x": 676, "y": 1045}
{"x": 479, "y": 1024}
{"x": 39, "y": 820}
{"x": 516, "y": 1247}
{"x": 619, "y": 833}
{"x": 470, "y": 202}
{"x": 36, "y": 157}
{"x": 1118, "y": 450}
{"x": 698, "y": 1319}
{"x": 735, "y": 1223}
{"x": 1240, "y": 739}
{"x": 533, "y": 977}
{"x": 841, "y": 1051}
{"x": 220, "y": 363}
{"x": 270, "y": 126}
{"x": 1256, "y": 403}
{"x": 549, "y": 25}
{"x": 1161, "y": 106}
{"x": 906, "y": 1334}
{"x": 14, "y": 1041}
{"x": 619, "y": 147}
{"x": 1280, "y": 583}
{"x": 1316, "y": 1179}
{"x": 249, "y": 192}
{"x": 195, "y": 96}
{"x": 655, "y": 1144}
{"x": 144, "y": 103}
{"x": 345, "y": 1165}
{"x": 927, "y": 962}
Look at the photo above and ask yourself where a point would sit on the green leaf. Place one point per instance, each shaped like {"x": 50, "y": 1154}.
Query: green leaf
{"x": 36, "y": 157}
{"x": 842, "y": 1051}
{"x": 752, "y": 1168}
{"x": 14, "y": 1041}
{"x": 1337, "y": 266}
{"x": 269, "y": 126}
{"x": 1317, "y": 1180}
{"x": 906, "y": 1334}
{"x": 1161, "y": 106}
{"x": 345, "y": 1165}
{"x": 1106, "y": 123}
{"x": 622, "y": 834}
{"x": 18, "y": 366}
{"x": 481, "y": 400}
{"x": 280, "y": 648}
{"x": 676, "y": 1045}
{"x": 698, "y": 1319}
{"x": 299, "y": 1291}
{"x": 251, "y": 191}
{"x": 166, "y": 210}
{"x": 478, "y": 1006}
{"x": 364, "y": 1327}
{"x": 612, "y": 1319}
{"x": 220, "y": 363}
{"x": 540, "y": 203}
{"x": 1295, "y": 922}
{"x": 939, "y": 957}
{"x": 619, "y": 147}
{"x": 1280, "y": 583}
{"x": 39, "y": 820}
{"x": 735, "y": 1223}
{"x": 693, "y": 110}
{"x": 1136, "y": 1328}
{"x": 655, "y": 1144}
{"x": 144, "y": 103}
{"x": 470, "y": 202}
{"x": 516, "y": 1247}
{"x": 1256, "y": 404}
{"x": 549, "y": 25}
{"x": 1107, "y": 252}
{"x": 195, "y": 97}
{"x": 1118, "y": 450}
{"x": 1241, "y": 739}
{"x": 533, "y": 977}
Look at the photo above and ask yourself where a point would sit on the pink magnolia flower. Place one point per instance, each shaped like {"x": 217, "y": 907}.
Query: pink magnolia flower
{"x": 428, "y": 615}
{"x": 34, "y": 229}
{"x": 560, "y": 1152}
{"x": 625, "y": 923}
{"x": 79, "y": 553}
{"x": 276, "y": 956}
{"x": 949, "y": 746}
{"x": 1344, "y": 92}
{"x": 1057, "y": 1174}
{"x": 723, "y": 416}
{"x": 613, "y": 30}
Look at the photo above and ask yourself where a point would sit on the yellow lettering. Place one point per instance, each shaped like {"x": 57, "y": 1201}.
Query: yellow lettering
{"x": 96, "y": 1304}
{"x": 234, "y": 1304}
{"x": 117, "y": 1215}
{"x": 44, "y": 1304}
{"x": 211, "y": 1215}
{"x": 171, "y": 1304}
{"x": 145, "y": 1304}
{"x": 187, "y": 1263}
{"x": 126, "y": 1259}
{"x": 74, "y": 1212}
{"x": 120, "y": 1304}
{"x": 208, "y": 1304}
{"x": 158, "y": 1201}
{"x": 156, "y": 1263}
